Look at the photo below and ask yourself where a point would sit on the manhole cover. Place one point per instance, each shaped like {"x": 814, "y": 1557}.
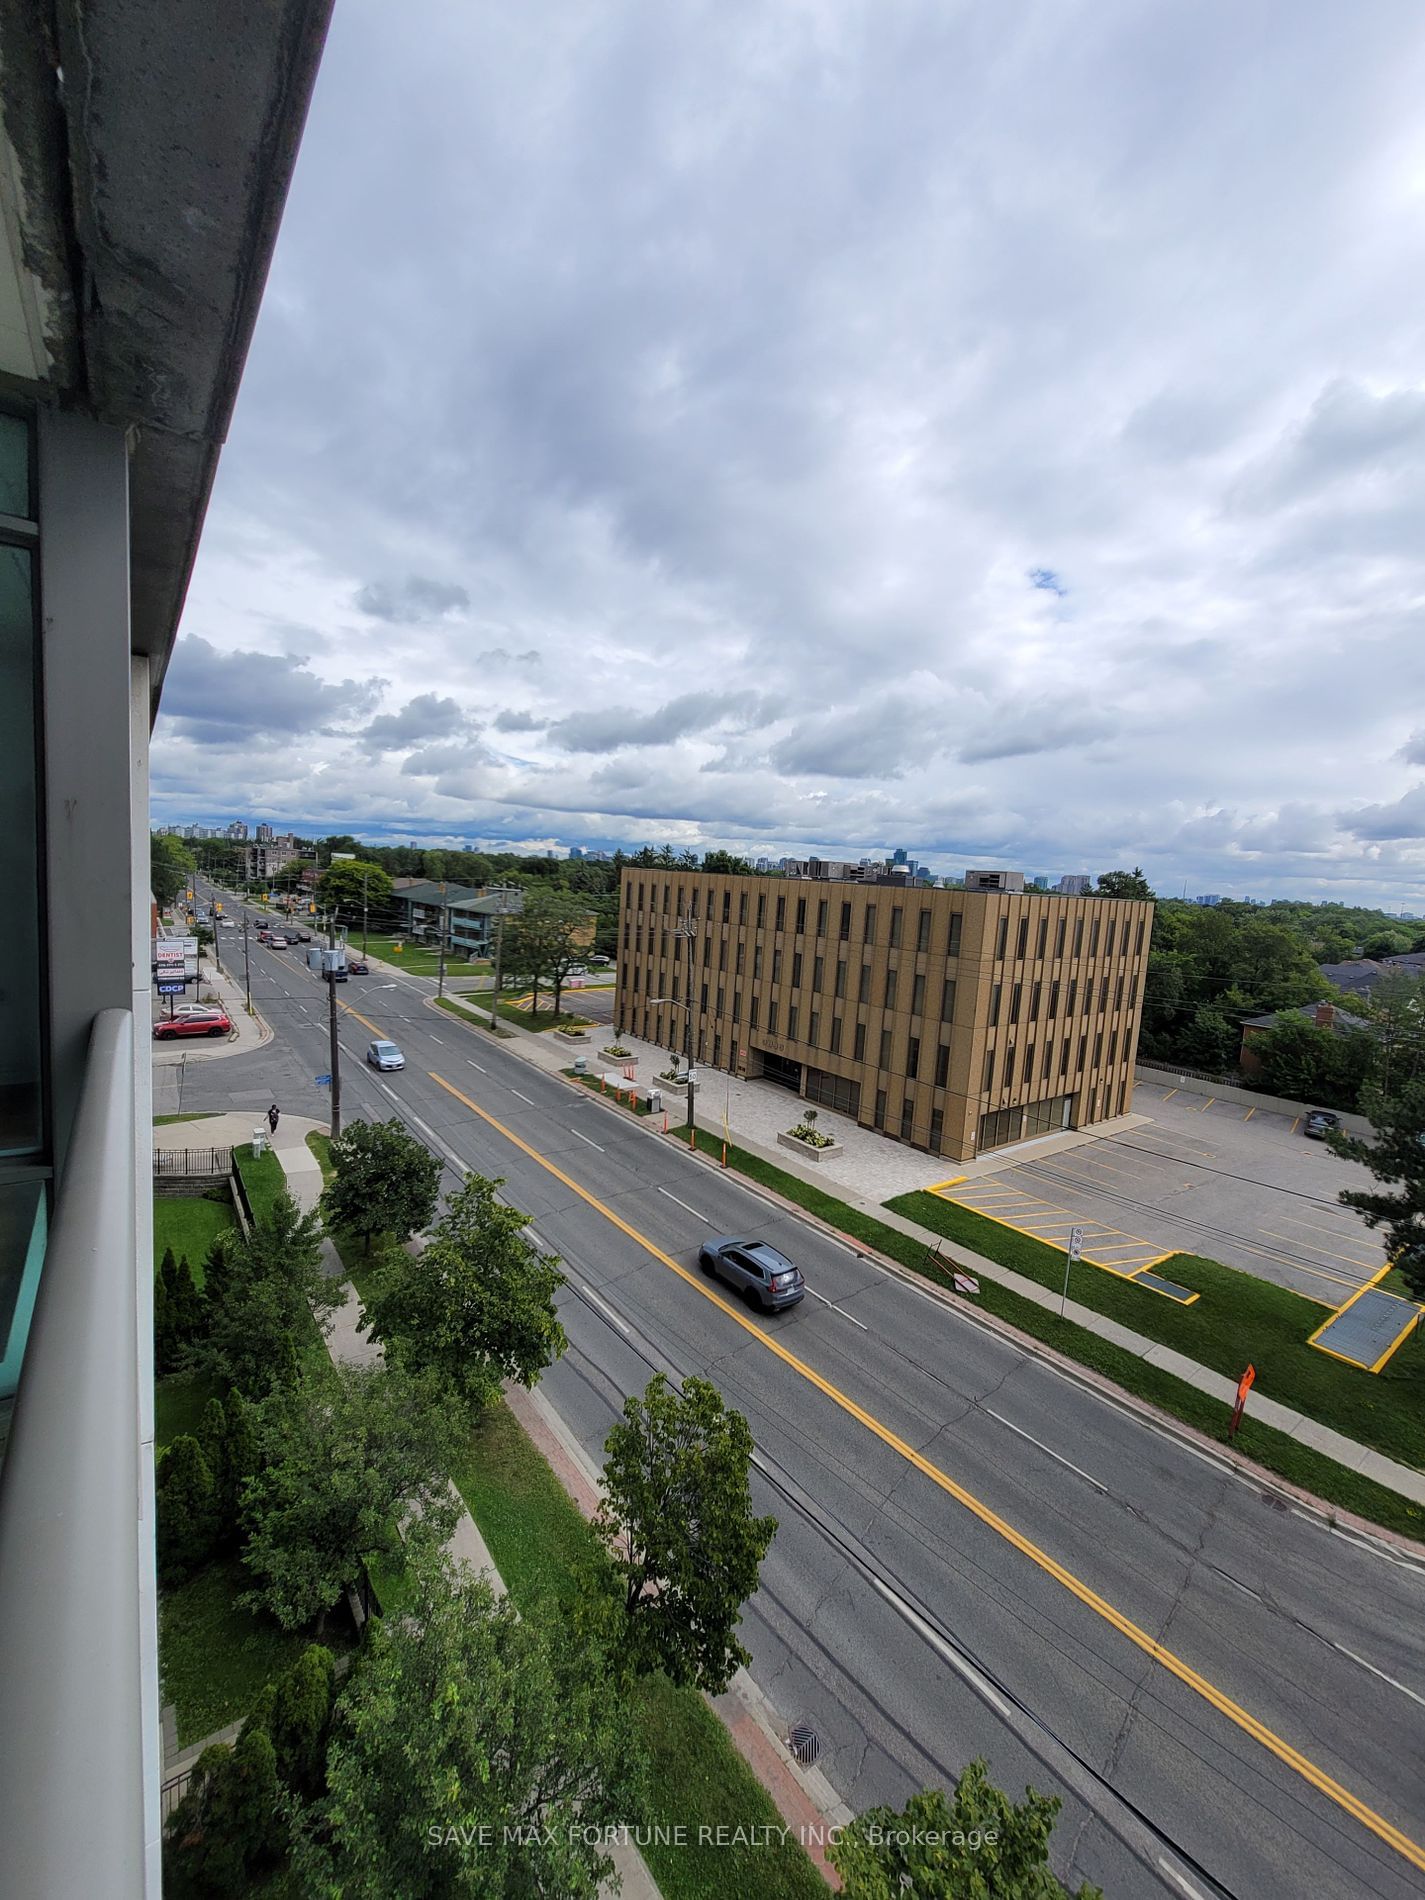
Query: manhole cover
{"x": 804, "y": 1745}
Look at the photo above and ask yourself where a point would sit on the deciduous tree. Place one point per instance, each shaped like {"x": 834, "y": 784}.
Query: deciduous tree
{"x": 676, "y": 1517}
{"x": 1125, "y": 884}
{"x": 386, "y": 1182}
{"x": 348, "y": 887}
{"x": 265, "y": 1292}
{"x": 477, "y": 1305}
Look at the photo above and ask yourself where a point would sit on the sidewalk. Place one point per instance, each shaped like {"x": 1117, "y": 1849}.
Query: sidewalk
{"x": 751, "y": 1134}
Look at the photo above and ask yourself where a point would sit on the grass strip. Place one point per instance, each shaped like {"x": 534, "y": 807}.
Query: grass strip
{"x": 465, "y": 1015}
{"x": 205, "y": 1115}
{"x": 528, "y": 1018}
{"x": 1323, "y": 1477}
{"x": 539, "y": 1541}
{"x": 261, "y": 1176}
{"x": 189, "y": 1224}
{"x": 321, "y": 1147}
{"x": 639, "y": 1105}
{"x": 1239, "y": 1318}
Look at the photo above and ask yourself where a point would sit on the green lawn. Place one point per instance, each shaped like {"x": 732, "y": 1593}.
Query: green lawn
{"x": 214, "y": 1657}
{"x": 640, "y": 1106}
{"x": 467, "y": 1016}
{"x": 529, "y": 1018}
{"x": 207, "y": 1115}
{"x": 1323, "y": 1477}
{"x": 262, "y": 1176}
{"x": 538, "y": 1541}
{"x": 189, "y": 1225}
{"x": 1239, "y": 1318}
{"x": 321, "y": 1147}
{"x": 416, "y": 959}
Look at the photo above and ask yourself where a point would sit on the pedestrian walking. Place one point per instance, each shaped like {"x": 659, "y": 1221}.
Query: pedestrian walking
{"x": 274, "y": 1115}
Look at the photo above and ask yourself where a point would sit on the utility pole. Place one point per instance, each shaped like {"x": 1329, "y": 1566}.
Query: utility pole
{"x": 365, "y": 877}
{"x": 687, "y": 929}
{"x": 246, "y": 966}
{"x": 331, "y": 1025}
{"x": 499, "y": 952}
{"x": 444, "y": 923}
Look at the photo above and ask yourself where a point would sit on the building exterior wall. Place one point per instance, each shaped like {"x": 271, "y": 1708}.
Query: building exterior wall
{"x": 924, "y": 1013}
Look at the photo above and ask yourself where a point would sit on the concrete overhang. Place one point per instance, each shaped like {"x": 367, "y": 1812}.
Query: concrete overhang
{"x": 147, "y": 149}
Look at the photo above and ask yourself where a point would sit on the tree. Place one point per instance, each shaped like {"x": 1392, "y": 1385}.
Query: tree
{"x": 1385, "y": 943}
{"x": 1125, "y": 884}
{"x": 1210, "y": 1041}
{"x": 386, "y": 1182}
{"x": 228, "y": 1828}
{"x": 541, "y": 940}
{"x": 477, "y": 1305}
{"x": 979, "y": 1843}
{"x": 343, "y": 1459}
{"x": 676, "y": 1516}
{"x": 187, "y": 1504}
{"x": 1395, "y": 1156}
{"x": 726, "y": 863}
{"x": 465, "y": 1716}
{"x": 170, "y": 865}
{"x": 264, "y": 1291}
{"x": 352, "y": 887}
{"x": 299, "y": 1721}
{"x": 1308, "y": 1063}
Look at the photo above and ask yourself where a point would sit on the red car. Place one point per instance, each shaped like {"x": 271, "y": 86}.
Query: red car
{"x": 215, "y": 1022}
{"x": 358, "y": 968}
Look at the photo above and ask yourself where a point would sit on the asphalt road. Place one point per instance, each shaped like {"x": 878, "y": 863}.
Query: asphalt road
{"x": 976, "y": 1554}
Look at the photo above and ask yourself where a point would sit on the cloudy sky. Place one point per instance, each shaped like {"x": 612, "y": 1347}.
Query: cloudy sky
{"x": 835, "y": 424}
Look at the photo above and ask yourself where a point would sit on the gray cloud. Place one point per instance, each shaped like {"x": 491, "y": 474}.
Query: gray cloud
{"x": 423, "y": 718}
{"x": 415, "y": 598}
{"x": 1413, "y": 751}
{"x": 1021, "y": 731}
{"x": 614, "y": 726}
{"x": 215, "y": 695}
{"x": 510, "y": 721}
{"x": 1404, "y": 818}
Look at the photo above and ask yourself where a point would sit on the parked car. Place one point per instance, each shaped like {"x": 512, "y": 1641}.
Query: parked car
{"x": 758, "y": 1271}
{"x": 385, "y": 1055}
{"x": 358, "y": 968}
{"x": 212, "y": 1022}
{"x": 228, "y": 924}
{"x": 1319, "y": 1123}
{"x": 304, "y": 936}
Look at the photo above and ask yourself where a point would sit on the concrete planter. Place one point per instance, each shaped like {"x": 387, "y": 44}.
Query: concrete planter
{"x": 573, "y": 1035}
{"x": 798, "y": 1146}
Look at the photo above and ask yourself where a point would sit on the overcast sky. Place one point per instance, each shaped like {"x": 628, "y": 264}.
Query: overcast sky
{"x": 994, "y": 430}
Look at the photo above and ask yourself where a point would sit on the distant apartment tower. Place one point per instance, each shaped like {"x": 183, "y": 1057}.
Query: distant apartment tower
{"x": 957, "y": 1021}
{"x": 994, "y": 880}
{"x": 1076, "y": 884}
{"x": 1211, "y": 900}
{"x": 237, "y": 831}
{"x": 265, "y": 834}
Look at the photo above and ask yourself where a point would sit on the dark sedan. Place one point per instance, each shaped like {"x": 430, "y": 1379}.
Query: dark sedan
{"x": 758, "y": 1271}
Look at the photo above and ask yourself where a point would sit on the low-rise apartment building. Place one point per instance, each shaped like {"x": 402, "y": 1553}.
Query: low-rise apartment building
{"x": 958, "y": 1021}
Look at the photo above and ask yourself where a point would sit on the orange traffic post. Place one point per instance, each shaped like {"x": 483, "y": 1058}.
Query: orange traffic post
{"x": 1244, "y": 1386}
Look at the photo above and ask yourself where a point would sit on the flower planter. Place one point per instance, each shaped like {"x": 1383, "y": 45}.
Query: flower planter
{"x": 801, "y": 1147}
{"x": 573, "y": 1035}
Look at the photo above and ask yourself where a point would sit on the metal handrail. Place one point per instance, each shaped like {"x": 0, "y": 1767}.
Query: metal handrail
{"x": 70, "y": 1551}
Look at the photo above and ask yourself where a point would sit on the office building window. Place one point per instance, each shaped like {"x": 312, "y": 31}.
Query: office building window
{"x": 912, "y": 1058}
{"x": 1083, "y": 1053}
{"x": 1043, "y": 936}
{"x": 845, "y": 930}
{"x": 640, "y": 894}
{"x": 1064, "y": 1058}
{"x": 761, "y": 908}
{"x": 896, "y": 915}
{"x": 720, "y": 994}
{"x": 821, "y": 917}
{"x": 1054, "y": 1000}
{"x": 868, "y": 934}
{"x": 781, "y": 922}
{"x": 1029, "y": 1063}
{"x": 952, "y": 948}
{"x": 772, "y": 1017}
{"x": 707, "y": 951}
{"x": 947, "y": 1000}
{"x": 833, "y": 1091}
{"x": 836, "y": 1035}
{"x": 756, "y": 960}
{"x": 1059, "y": 937}
{"x": 863, "y": 988}
{"x": 1009, "y": 1067}
{"x": 677, "y": 949}
{"x": 1002, "y": 940}
{"x": 742, "y": 907}
{"x": 1021, "y": 947}
{"x": 722, "y": 954}
{"x": 885, "y": 1048}
{"x": 682, "y": 907}
{"x": 1112, "y": 1047}
{"x": 996, "y": 991}
{"x": 840, "y": 977}
{"x": 703, "y": 999}
{"x": 737, "y": 964}
{"x": 907, "y": 1117}
{"x": 1093, "y": 939}
{"x": 989, "y": 1070}
{"x": 752, "y": 1013}
{"x": 1118, "y": 992}
{"x": 1098, "y": 1050}
{"x": 922, "y": 931}
{"x": 1103, "y": 994}
{"x": 1138, "y": 946}
{"x": 1048, "y": 1062}
{"x": 937, "y": 1130}
{"x": 880, "y": 1116}
{"x": 859, "y": 1040}
{"x": 796, "y": 969}
{"x": 801, "y": 915}
{"x": 776, "y": 965}
{"x": 737, "y": 1006}
{"x": 1078, "y": 936}
{"x": 792, "y": 1021}
{"x": 942, "y": 1066}
{"x": 818, "y": 973}
{"x": 1044, "y": 1117}
{"x": 1016, "y": 992}
{"x": 1108, "y": 940}
{"x": 727, "y": 907}
{"x": 813, "y": 1028}
{"x": 1000, "y": 1126}
{"x": 1073, "y": 994}
{"x": 917, "y": 997}
{"x": 1035, "y": 997}
{"x": 717, "y": 1049}
{"x": 890, "y": 996}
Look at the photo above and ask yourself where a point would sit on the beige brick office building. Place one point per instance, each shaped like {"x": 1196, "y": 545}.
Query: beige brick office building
{"x": 958, "y": 1021}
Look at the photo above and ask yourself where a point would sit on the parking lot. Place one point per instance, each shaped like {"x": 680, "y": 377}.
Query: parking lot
{"x": 1239, "y": 1184}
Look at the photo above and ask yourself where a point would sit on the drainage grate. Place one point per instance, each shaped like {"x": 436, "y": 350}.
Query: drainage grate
{"x": 804, "y": 1745}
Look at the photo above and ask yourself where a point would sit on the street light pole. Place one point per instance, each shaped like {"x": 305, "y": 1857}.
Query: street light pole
{"x": 499, "y": 951}
{"x": 365, "y": 878}
{"x": 246, "y": 966}
{"x": 444, "y": 924}
{"x": 686, "y": 928}
{"x": 335, "y": 1057}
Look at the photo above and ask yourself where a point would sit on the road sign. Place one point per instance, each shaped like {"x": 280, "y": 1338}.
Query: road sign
{"x": 323, "y": 1081}
{"x": 172, "y": 989}
{"x": 1244, "y": 1386}
{"x": 1076, "y": 1243}
{"x": 1071, "y": 1253}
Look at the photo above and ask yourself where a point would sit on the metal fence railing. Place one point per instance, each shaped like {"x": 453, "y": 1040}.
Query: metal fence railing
{"x": 214, "y": 1161}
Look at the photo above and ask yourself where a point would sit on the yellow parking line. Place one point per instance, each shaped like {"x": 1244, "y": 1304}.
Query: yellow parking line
{"x": 1295, "y": 1124}
{"x": 954, "y": 1181}
{"x": 1250, "y": 1113}
{"x": 1170, "y": 1094}
{"x": 1150, "y": 1646}
{"x": 1293, "y": 1241}
{"x": 1207, "y": 1105}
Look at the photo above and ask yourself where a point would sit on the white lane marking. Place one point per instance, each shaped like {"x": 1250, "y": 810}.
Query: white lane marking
{"x": 578, "y": 1137}
{"x": 1362, "y": 1542}
{"x": 524, "y": 1098}
{"x": 684, "y": 1205}
{"x": 1048, "y": 1451}
{"x": 960, "y": 1664}
{"x": 1379, "y": 1672}
{"x": 386, "y": 1089}
{"x": 437, "y": 1039}
{"x": 606, "y": 1309}
{"x": 837, "y": 1309}
{"x": 476, "y": 1065}
{"x": 1180, "y": 1881}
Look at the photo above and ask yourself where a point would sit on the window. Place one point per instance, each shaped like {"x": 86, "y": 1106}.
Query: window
{"x": 1048, "y": 1062}
{"x": 727, "y": 907}
{"x": 801, "y": 915}
{"x": 792, "y": 1020}
{"x": 1000, "y": 1126}
{"x": 1073, "y": 995}
{"x": 761, "y": 909}
{"x": 772, "y": 1017}
{"x": 1044, "y": 1117}
{"x": 917, "y": 997}
{"x": 947, "y": 1000}
{"x": 942, "y": 1066}
{"x": 952, "y": 948}
{"x": 818, "y": 973}
{"x": 737, "y": 966}
{"x": 996, "y": 991}
{"x": 989, "y": 1070}
{"x": 1103, "y": 994}
{"x": 1078, "y": 936}
{"x": 625, "y": 935}
{"x": 742, "y": 907}
{"x": 737, "y": 1006}
{"x": 1009, "y": 1067}
{"x": 1029, "y": 1063}
{"x": 937, "y": 1129}
{"x": 752, "y": 1013}
{"x": 836, "y": 1035}
{"x": 677, "y": 949}
{"x": 907, "y": 1117}
{"x": 863, "y": 989}
{"x": 1093, "y": 939}
{"x": 859, "y": 1049}
{"x": 776, "y": 966}
{"x": 756, "y": 959}
{"x": 1016, "y": 993}
{"x": 922, "y": 931}
{"x": 1138, "y": 945}
{"x": 722, "y": 954}
{"x": 781, "y": 922}
{"x": 707, "y": 951}
{"x": 885, "y": 1048}
{"x": 1083, "y": 1053}
{"x": 703, "y": 999}
{"x": 640, "y": 893}
{"x": 1059, "y": 937}
{"x": 814, "y": 1028}
{"x": 1118, "y": 992}
{"x": 840, "y": 977}
{"x": 845, "y": 930}
{"x": 720, "y": 1004}
{"x": 890, "y": 996}
{"x": 880, "y": 1117}
{"x": 912, "y": 1058}
{"x": 1054, "y": 999}
{"x": 868, "y": 933}
{"x": 1112, "y": 1047}
{"x": 896, "y": 915}
{"x": 682, "y": 907}
{"x": 1043, "y": 936}
{"x": 717, "y": 1049}
{"x": 833, "y": 1091}
{"x": 1108, "y": 940}
{"x": 821, "y": 917}
{"x": 1002, "y": 940}
{"x": 1098, "y": 1050}
{"x": 1035, "y": 997}
{"x": 796, "y": 969}
{"x": 1021, "y": 948}
{"x": 1064, "y": 1058}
